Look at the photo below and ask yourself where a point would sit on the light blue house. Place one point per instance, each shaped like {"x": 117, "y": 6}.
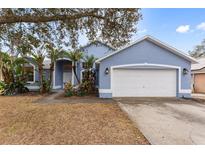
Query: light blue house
{"x": 63, "y": 67}
{"x": 144, "y": 68}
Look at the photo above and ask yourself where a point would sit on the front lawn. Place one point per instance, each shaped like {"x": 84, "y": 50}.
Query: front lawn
{"x": 24, "y": 122}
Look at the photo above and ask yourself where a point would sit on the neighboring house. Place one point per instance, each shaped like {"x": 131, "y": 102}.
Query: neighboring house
{"x": 198, "y": 76}
{"x": 145, "y": 68}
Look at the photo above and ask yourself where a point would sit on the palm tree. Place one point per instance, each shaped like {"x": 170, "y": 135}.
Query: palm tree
{"x": 12, "y": 72}
{"x": 6, "y": 67}
{"x": 39, "y": 55}
{"x": 53, "y": 54}
{"x": 88, "y": 63}
{"x": 74, "y": 56}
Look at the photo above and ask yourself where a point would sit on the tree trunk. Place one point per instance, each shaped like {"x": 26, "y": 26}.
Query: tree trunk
{"x": 51, "y": 74}
{"x": 7, "y": 75}
{"x": 40, "y": 69}
{"x": 74, "y": 71}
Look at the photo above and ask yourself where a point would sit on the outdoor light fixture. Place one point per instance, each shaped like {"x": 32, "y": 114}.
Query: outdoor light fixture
{"x": 185, "y": 71}
{"x": 107, "y": 71}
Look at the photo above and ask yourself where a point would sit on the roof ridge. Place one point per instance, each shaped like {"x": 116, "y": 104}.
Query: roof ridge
{"x": 99, "y": 41}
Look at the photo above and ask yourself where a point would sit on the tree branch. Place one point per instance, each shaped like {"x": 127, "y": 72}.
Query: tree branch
{"x": 41, "y": 19}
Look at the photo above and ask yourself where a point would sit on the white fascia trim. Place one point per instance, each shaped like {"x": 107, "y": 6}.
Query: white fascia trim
{"x": 158, "y": 42}
{"x": 33, "y": 87}
{"x": 145, "y": 64}
{"x": 56, "y": 87}
{"x": 180, "y": 90}
{"x": 197, "y": 73}
{"x": 64, "y": 59}
{"x": 105, "y": 91}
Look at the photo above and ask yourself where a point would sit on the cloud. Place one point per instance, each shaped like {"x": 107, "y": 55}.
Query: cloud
{"x": 183, "y": 28}
{"x": 201, "y": 26}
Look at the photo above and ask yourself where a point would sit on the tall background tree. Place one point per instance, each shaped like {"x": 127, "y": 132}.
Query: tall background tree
{"x": 199, "y": 50}
{"x": 114, "y": 26}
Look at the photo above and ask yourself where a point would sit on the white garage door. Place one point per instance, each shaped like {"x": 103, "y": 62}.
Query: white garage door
{"x": 143, "y": 83}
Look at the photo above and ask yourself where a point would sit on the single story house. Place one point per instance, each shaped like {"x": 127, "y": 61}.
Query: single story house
{"x": 144, "y": 68}
{"x": 63, "y": 67}
{"x": 198, "y": 76}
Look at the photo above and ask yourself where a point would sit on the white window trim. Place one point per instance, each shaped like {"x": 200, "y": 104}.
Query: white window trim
{"x": 63, "y": 59}
{"x": 32, "y": 87}
{"x": 180, "y": 90}
{"x": 34, "y": 74}
{"x": 57, "y": 87}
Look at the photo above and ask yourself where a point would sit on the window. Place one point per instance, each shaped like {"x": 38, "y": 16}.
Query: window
{"x": 67, "y": 67}
{"x": 29, "y": 72}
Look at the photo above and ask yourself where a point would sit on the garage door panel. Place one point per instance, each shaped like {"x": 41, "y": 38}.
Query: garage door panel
{"x": 144, "y": 83}
{"x": 199, "y": 82}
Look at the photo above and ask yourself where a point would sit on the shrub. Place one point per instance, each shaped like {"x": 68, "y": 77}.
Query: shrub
{"x": 2, "y": 87}
{"x": 82, "y": 89}
{"x": 69, "y": 91}
{"x": 13, "y": 88}
{"x": 20, "y": 87}
{"x": 46, "y": 86}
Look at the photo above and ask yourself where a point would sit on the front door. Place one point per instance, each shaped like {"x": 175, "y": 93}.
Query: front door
{"x": 67, "y": 72}
{"x": 67, "y": 76}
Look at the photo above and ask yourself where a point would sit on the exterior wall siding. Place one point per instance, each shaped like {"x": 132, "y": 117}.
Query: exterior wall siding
{"x": 105, "y": 95}
{"x": 59, "y": 73}
{"x": 46, "y": 73}
{"x": 97, "y": 50}
{"x": 144, "y": 52}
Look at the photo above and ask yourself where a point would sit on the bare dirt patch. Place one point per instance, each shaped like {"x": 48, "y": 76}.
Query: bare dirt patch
{"x": 99, "y": 122}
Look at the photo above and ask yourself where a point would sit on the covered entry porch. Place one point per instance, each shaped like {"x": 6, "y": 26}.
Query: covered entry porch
{"x": 63, "y": 73}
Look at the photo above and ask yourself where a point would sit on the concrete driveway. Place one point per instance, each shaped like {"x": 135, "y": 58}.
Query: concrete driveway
{"x": 167, "y": 120}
